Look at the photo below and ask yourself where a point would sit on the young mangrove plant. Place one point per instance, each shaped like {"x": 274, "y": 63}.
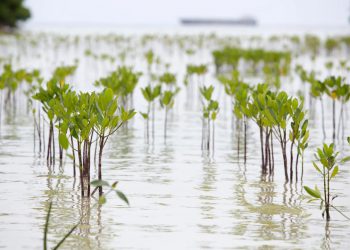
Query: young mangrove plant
{"x": 150, "y": 94}
{"x": 194, "y": 75}
{"x": 337, "y": 90}
{"x": 109, "y": 120}
{"x": 282, "y": 117}
{"x": 123, "y": 82}
{"x": 240, "y": 109}
{"x": 167, "y": 99}
{"x": 210, "y": 111}
{"x": 84, "y": 116}
{"x": 327, "y": 157}
{"x": 54, "y": 92}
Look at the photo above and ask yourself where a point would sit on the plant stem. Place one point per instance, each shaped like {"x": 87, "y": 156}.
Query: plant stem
{"x": 323, "y": 125}
{"x": 100, "y": 190}
{"x": 262, "y": 148}
{"x": 245, "y": 139}
{"x": 291, "y": 160}
{"x": 73, "y": 155}
{"x": 46, "y": 229}
{"x": 165, "y": 123}
{"x": 333, "y": 120}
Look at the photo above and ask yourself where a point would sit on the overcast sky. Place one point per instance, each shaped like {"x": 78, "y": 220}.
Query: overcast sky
{"x": 155, "y": 12}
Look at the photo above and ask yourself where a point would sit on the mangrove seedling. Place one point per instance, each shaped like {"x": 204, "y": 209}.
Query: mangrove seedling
{"x": 210, "y": 111}
{"x": 167, "y": 100}
{"x": 150, "y": 94}
{"x": 327, "y": 157}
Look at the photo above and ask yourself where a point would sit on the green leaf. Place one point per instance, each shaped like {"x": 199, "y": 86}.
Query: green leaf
{"x": 114, "y": 185}
{"x": 102, "y": 200}
{"x": 63, "y": 141}
{"x": 144, "y": 115}
{"x": 99, "y": 183}
{"x": 122, "y": 196}
{"x": 312, "y": 192}
{"x": 345, "y": 159}
{"x": 335, "y": 172}
{"x": 316, "y": 167}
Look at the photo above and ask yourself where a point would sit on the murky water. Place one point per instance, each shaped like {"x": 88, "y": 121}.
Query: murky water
{"x": 180, "y": 198}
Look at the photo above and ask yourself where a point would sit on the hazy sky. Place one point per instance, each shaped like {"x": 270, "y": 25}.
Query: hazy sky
{"x": 267, "y": 12}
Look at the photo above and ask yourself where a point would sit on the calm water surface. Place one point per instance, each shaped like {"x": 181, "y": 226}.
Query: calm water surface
{"x": 179, "y": 197}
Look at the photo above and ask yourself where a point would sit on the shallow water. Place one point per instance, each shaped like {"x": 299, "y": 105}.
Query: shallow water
{"x": 179, "y": 197}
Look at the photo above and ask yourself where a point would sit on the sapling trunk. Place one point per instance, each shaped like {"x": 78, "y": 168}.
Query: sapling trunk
{"x": 283, "y": 142}
{"x": 53, "y": 145}
{"x": 34, "y": 132}
{"x": 272, "y": 154}
{"x": 203, "y": 127}
{"x": 165, "y": 123}
{"x": 39, "y": 130}
{"x": 208, "y": 139}
{"x": 245, "y": 139}
{"x": 49, "y": 147}
{"x": 328, "y": 195}
{"x": 44, "y": 145}
{"x": 266, "y": 150}
{"x": 213, "y": 138}
{"x": 333, "y": 120}
{"x": 340, "y": 121}
{"x": 296, "y": 167}
{"x": 323, "y": 125}
{"x": 148, "y": 113}
{"x": 73, "y": 155}
{"x": 153, "y": 119}
{"x": 238, "y": 137}
{"x": 86, "y": 169}
{"x": 291, "y": 160}
{"x": 100, "y": 190}
{"x": 262, "y": 147}
{"x": 80, "y": 168}
{"x": 59, "y": 147}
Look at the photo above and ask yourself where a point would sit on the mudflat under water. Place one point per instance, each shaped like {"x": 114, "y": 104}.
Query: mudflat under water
{"x": 179, "y": 197}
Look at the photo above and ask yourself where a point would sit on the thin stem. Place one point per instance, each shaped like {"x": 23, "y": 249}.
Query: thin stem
{"x": 46, "y": 229}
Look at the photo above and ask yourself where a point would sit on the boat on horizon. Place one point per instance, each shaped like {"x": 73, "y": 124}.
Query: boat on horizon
{"x": 244, "y": 21}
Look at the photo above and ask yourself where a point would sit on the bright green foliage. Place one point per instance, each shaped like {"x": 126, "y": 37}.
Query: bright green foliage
{"x": 211, "y": 107}
{"x": 312, "y": 44}
{"x": 329, "y": 169}
{"x": 331, "y": 44}
{"x": 274, "y": 62}
{"x": 150, "y": 57}
{"x": 151, "y": 93}
{"x": 168, "y": 78}
{"x": 195, "y": 70}
{"x": 11, "y": 80}
{"x": 167, "y": 98}
{"x": 53, "y": 93}
{"x": 336, "y": 88}
{"x": 122, "y": 81}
